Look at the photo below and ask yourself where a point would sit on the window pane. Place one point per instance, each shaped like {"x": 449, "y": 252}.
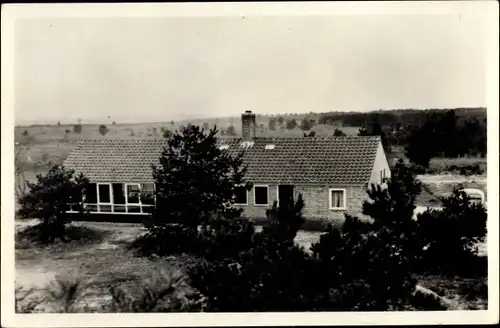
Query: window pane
{"x": 241, "y": 195}
{"x": 91, "y": 208}
{"x": 133, "y": 194}
{"x": 104, "y": 194}
{"x": 148, "y": 194}
{"x": 91, "y": 194}
{"x": 118, "y": 193}
{"x": 104, "y": 208}
{"x": 134, "y": 209}
{"x": 119, "y": 208}
{"x": 337, "y": 198}
{"x": 261, "y": 196}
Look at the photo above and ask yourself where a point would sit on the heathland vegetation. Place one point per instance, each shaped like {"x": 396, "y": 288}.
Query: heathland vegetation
{"x": 376, "y": 264}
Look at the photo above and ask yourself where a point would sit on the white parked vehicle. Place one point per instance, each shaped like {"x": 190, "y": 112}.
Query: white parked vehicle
{"x": 476, "y": 196}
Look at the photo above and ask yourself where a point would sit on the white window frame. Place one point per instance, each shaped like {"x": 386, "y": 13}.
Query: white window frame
{"x": 343, "y": 208}
{"x": 246, "y": 191}
{"x": 255, "y": 199}
{"x": 112, "y": 204}
{"x": 99, "y": 203}
{"x": 133, "y": 204}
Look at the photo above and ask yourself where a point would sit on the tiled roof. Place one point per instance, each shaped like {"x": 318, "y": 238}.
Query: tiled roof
{"x": 298, "y": 161}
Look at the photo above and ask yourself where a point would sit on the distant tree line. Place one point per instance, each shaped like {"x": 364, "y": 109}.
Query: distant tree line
{"x": 424, "y": 133}
{"x": 397, "y": 117}
{"x": 446, "y": 135}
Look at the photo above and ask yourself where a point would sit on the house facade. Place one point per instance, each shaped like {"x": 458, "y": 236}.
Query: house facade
{"x": 331, "y": 173}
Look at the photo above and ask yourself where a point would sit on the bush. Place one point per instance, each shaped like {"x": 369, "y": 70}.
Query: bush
{"x": 306, "y": 124}
{"x": 77, "y": 128}
{"x": 292, "y": 124}
{"x": 167, "y": 240}
{"x": 231, "y": 131}
{"x": 338, "y": 133}
{"x": 103, "y": 130}
{"x": 347, "y": 271}
{"x": 50, "y": 198}
{"x": 449, "y": 236}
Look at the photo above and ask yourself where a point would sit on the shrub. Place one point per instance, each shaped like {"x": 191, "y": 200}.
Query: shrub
{"x": 25, "y": 133}
{"x": 167, "y": 133}
{"x": 450, "y": 235}
{"x": 368, "y": 271}
{"x": 50, "y": 197}
{"x": 292, "y": 124}
{"x": 231, "y": 131}
{"x": 77, "y": 128}
{"x": 272, "y": 124}
{"x": 103, "y": 130}
{"x": 285, "y": 220}
{"x": 338, "y": 133}
{"x": 167, "y": 240}
{"x": 306, "y": 124}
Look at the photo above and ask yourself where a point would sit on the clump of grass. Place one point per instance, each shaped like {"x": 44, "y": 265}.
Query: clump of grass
{"x": 31, "y": 236}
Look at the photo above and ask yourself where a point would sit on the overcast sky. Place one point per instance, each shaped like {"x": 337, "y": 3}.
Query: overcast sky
{"x": 143, "y": 69}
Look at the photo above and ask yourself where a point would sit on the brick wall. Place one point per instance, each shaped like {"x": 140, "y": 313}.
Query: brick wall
{"x": 316, "y": 200}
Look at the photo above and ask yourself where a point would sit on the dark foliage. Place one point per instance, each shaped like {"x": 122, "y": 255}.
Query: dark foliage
{"x": 103, "y": 130}
{"x": 347, "y": 271}
{"x": 77, "y": 128}
{"x": 166, "y": 133}
{"x": 280, "y": 120}
{"x": 54, "y": 193}
{"x": 25, "y": 133}
{"x": 272, "y": 124}
{"x": 285, "y": 220}
{"x": 445, "y": 135}
{"x": 292, "y": 124}
{"x": 375, "y": 129}
{"x": 306, "y": 124}
{"x": 195, "y": 180}
{"x": 449, "y": 236}
{"x": 310, "y": 134}
{"x": 338, "y": 133}
{"x": 231, "y": 131}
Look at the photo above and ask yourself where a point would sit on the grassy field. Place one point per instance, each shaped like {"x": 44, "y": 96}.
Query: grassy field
{"x": 102, "y": 261}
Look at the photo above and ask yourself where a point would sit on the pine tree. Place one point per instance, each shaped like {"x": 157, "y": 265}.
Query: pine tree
{"x": 50, "y": 197}
{"x": 195, "y": 180}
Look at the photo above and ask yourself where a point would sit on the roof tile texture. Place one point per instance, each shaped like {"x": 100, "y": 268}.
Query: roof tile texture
{"x": 340, "y": 161}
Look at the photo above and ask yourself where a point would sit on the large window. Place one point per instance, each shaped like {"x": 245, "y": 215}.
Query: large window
{"x": 261, "y": 195}
{"x": 337, "y": 199}
{"x": 104, "y": 196}
{"x": 241, "y": 195}
{"x": 119, "y": 198}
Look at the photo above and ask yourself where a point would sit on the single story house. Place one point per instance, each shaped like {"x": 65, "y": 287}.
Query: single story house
{"x": 331, "y": 173}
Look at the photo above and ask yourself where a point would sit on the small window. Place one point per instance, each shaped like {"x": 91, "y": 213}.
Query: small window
{"x": 148, "y": 194}
{"x": 133, "y": 194}
{"x": 270, "y": 146}
{"x": 241, "y": 194}
{"x": 261, "y": 194}
{"x": 337, "y": 199}
{"x": 222, "y": 147}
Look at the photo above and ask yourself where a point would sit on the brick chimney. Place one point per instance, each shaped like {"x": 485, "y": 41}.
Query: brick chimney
{"x": 248, "y": 125}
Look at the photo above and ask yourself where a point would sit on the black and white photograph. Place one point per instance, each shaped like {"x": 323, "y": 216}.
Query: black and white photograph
{"x": 331, "y": 160}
